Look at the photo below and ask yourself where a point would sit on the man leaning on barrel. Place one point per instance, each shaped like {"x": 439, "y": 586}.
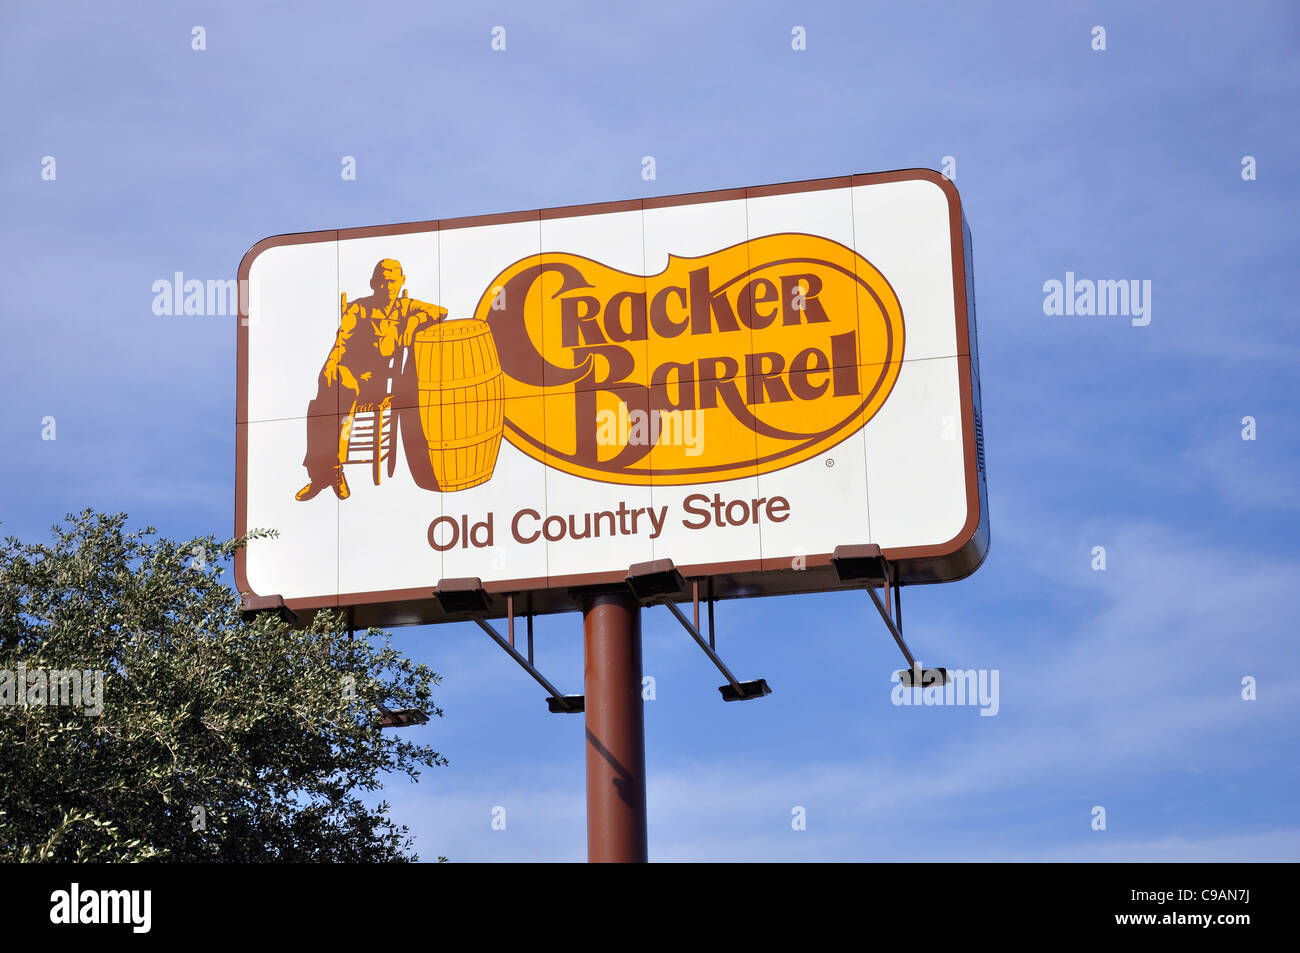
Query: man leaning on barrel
{"x": 359, "y": 371}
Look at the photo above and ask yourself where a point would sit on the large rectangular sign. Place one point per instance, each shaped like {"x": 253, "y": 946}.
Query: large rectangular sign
{"x": 739, "y": 381}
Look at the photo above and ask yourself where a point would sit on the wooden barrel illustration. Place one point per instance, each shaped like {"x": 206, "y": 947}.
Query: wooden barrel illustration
{"x": 461, "y": 400}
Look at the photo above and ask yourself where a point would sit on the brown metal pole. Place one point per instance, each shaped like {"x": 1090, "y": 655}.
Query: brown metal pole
{"x": 616, "y": 806}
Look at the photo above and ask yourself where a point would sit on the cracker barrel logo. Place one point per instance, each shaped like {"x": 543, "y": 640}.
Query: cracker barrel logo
{"x": 743, "y": 361}
{"x": 773, "y": 350}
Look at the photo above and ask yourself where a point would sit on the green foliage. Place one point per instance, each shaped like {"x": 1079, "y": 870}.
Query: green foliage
{"x": 218, "y": 740}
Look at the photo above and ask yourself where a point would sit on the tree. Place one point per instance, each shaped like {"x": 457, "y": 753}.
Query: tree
{"x": 212, "y": 739}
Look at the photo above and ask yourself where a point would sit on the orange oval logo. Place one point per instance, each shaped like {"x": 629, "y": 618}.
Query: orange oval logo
{"x": 743, "y": 361}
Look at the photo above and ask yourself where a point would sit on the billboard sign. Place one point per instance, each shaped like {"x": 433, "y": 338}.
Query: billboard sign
{"x": 739, "y": 381}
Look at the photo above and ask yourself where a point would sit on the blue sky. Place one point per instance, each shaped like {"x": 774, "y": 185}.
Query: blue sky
{"x": 1119, "y": 688}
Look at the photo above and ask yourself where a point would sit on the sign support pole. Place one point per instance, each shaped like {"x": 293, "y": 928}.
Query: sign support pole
{"x": 616, "y": 800}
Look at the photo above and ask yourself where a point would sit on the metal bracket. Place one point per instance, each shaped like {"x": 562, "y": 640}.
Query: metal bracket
{"x": 656, "y": 582}
{"x": 388, "y": 717}
{"x": 868, "y": 564}
{"x": 401, "y": 717}
{"x": 467, "y": 597}
{"x": 253, "y": 606}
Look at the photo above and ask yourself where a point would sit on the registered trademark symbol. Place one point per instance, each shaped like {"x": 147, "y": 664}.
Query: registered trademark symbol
{"x": 830, "y": 462}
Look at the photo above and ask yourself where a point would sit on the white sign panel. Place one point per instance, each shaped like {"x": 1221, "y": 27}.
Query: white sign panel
{"x": 737, "y": 381}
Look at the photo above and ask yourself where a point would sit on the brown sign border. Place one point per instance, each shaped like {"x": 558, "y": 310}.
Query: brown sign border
{"x": 945, "y": 562}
